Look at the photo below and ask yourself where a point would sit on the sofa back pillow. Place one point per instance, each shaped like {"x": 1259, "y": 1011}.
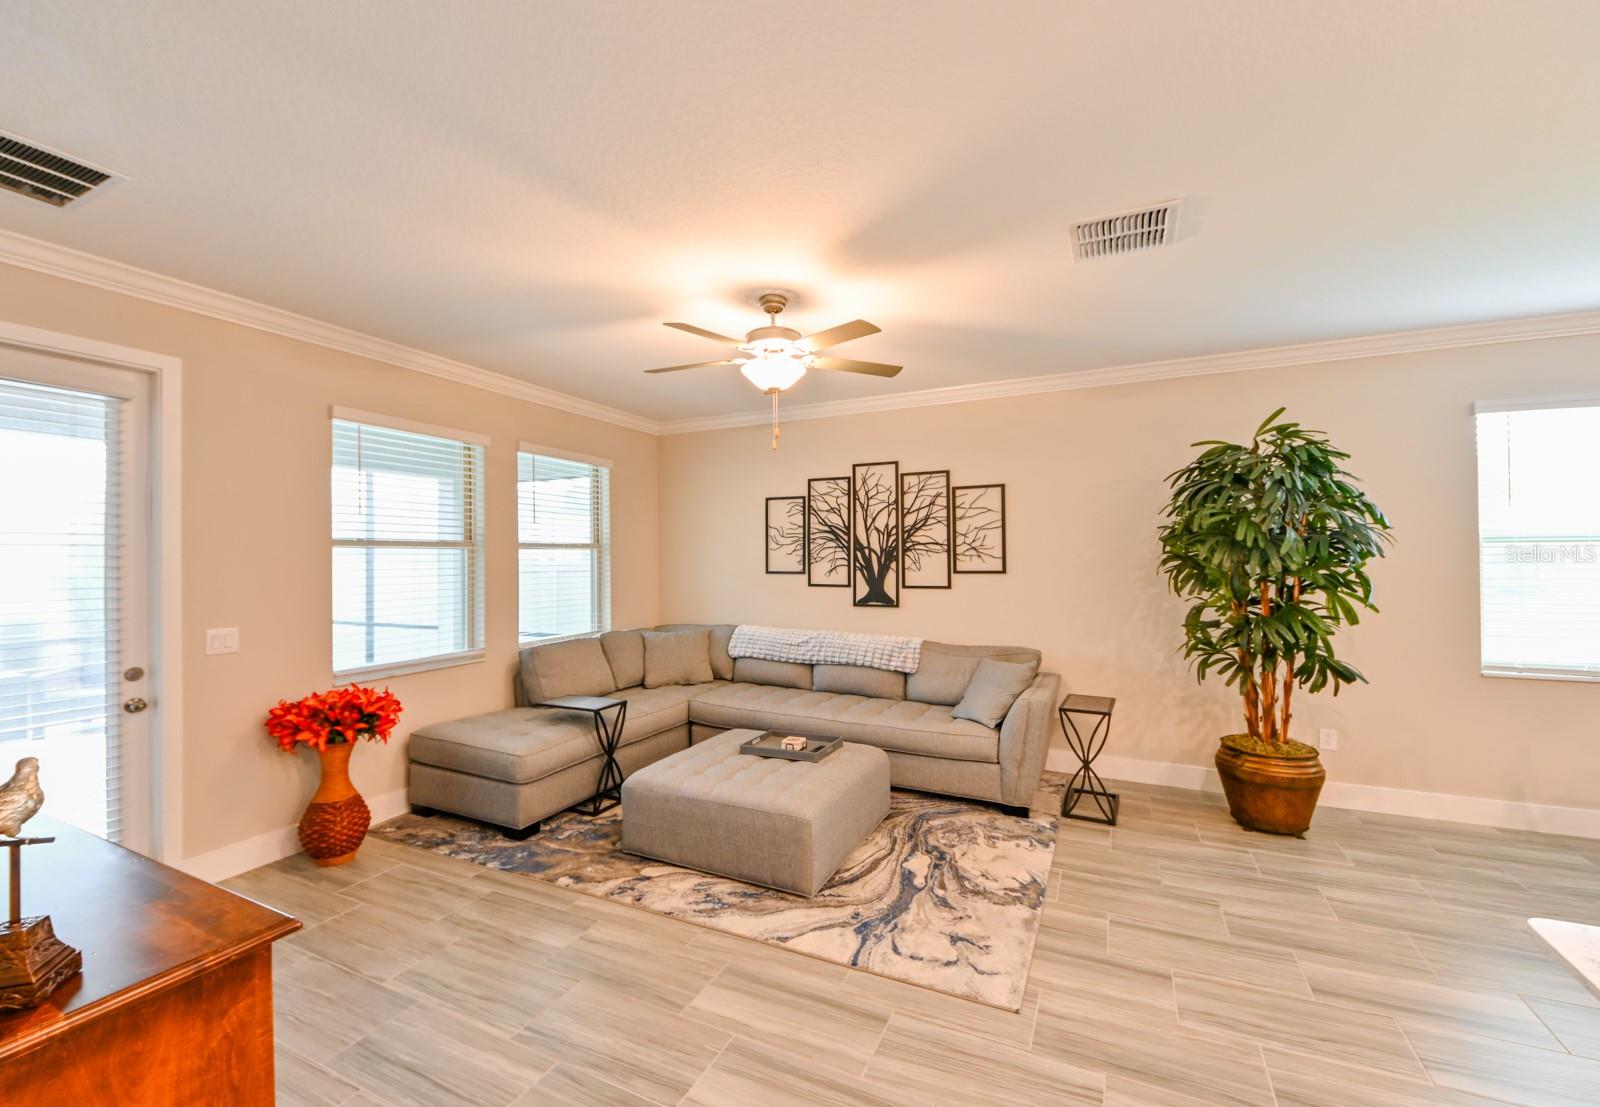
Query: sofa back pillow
{"x": 624, "y": 651}
{"x": 994, "y": 688}
{"x": 945, "y": 671}
{"x": 676, "y": 657}
{"x": 859, "y": 680}
{"x": 779, "y": 674}
{"x": 721, "y": 633}
{"x": 575, "y": 668}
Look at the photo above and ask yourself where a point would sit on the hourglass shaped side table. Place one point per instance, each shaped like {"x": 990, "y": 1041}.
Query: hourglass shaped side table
{"x": 1087, "y": 782}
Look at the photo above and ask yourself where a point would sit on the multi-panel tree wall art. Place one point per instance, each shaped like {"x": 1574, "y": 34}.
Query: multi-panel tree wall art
{"x": 879, "y": 531}
{"x": 786, "y": 534}
{"x": 980, "y": 511}
{"x": 875, "y": 534}
{"x": 828, "y": 532}
{"x": 925, "y": 527}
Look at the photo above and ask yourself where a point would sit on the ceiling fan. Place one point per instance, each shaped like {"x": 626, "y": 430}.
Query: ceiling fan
{"x": 774, "y": 358}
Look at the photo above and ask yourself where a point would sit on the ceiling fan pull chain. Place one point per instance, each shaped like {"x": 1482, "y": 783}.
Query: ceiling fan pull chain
{"x": 775, "y": 431}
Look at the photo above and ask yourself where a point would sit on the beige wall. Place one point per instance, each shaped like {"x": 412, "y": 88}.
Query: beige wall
{"x": 1084, "y": 473}
{"x": 1084, "y": 484}
{"x": 256, "y": 444}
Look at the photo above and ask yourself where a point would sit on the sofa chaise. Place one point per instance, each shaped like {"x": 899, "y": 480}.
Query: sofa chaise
{"x": 516, "y": 767}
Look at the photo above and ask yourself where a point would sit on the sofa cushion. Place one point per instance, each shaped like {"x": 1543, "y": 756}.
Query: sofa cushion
{"x": 944, "y": 671}
{"x": 652, "y": 710}
{"x": 721, "y": 659}
{"x": 624, "y": 650}
{"x": 575, "y": 668}
{"x": 783, "y": 674}
{"x": 859, "y": 680}
{"x": 676, "y": 657}
{"x": 527, "y": 744}
{"x": 721, "y": 634}
{"x": 900, "y": 726}
{"x": 993, "y": 689}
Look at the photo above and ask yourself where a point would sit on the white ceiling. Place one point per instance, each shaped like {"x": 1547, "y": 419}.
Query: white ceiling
{"x": 535, "y": 188}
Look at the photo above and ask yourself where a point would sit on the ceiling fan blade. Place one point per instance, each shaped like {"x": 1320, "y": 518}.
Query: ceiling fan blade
{"x": 844, "y": 332}
{"x": 846, "y": 365}
{"x": 703, "y": 333}
{"x": 693, "y": 365}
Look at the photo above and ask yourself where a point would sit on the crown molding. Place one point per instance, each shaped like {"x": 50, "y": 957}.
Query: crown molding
{"x": 1268, "y": 357}
{"x": 114, "y": 276}
{"x": 75, "y": 265}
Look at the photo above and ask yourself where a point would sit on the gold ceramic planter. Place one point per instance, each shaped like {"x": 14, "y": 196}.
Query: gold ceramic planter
{"x": 1273, "y": 794}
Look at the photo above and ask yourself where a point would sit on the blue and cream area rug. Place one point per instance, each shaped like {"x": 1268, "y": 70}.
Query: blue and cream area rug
{"x": 944, "y": 894}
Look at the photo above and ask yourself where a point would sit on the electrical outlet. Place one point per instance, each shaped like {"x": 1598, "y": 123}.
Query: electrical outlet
{"x": 1328, "y": 738}
{"x": 222, "y": 640}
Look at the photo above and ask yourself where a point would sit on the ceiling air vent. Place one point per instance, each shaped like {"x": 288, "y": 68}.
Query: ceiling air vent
{"x": 1125, "y": 232}
{"x": 37, "y": 173}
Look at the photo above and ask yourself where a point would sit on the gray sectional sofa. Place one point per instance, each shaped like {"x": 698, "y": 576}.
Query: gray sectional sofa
{"x": 516, "y": 767}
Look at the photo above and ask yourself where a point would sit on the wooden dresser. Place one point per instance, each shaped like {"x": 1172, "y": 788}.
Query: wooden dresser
{"x": 174, "y": 1005}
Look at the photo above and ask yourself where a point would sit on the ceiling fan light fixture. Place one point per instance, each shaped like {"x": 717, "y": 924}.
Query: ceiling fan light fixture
{"x": 776, "y": 357}
{"x": 774, "y": 365}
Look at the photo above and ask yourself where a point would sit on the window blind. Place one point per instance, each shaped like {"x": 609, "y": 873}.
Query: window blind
{"x": 407, "y": 549}
{"x": 60, "y": 551}
{"x": 564, "y": 546}
{"x": 1539, "y": 540}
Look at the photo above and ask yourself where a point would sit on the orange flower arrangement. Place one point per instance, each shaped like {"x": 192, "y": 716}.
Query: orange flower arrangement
{"x": 330, "y": 718}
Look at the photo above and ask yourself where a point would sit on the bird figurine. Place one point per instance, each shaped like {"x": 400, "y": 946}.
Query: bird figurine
{"x": 20, "y": 797}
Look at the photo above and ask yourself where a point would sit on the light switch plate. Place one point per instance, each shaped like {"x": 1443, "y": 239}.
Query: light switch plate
{"x": 222, "y": 640}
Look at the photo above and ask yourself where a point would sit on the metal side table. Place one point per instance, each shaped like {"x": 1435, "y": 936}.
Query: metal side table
{"x": 608, "y": 733}
{"x": 1087, "y": 782}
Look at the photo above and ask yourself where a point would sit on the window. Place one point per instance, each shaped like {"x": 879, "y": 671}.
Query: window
{"x": 407, "y": 546}
{"x": 563, "y": 544}
{"x": 1539, "y": 540}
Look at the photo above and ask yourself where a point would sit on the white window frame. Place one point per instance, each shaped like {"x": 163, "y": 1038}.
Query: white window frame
{"x": 601, "y": 543}
{"x": 473, "y": 527}
{"x": 1489, "y": 408}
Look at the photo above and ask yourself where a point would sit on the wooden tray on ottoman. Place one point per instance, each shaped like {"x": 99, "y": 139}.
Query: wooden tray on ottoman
{"x": 767, "y": 745}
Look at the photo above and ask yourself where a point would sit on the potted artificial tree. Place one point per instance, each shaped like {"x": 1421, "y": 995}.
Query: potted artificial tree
{"x": 1270, "y": 542}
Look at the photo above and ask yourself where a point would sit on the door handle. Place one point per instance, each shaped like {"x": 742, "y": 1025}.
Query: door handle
{"x": 134, "y": 706}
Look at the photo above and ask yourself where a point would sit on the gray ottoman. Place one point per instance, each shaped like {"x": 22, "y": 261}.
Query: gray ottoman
{"x": 765, "y": 820}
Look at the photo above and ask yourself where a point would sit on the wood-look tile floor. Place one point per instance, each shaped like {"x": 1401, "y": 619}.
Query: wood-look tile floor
{"x": 1182, "y": 960}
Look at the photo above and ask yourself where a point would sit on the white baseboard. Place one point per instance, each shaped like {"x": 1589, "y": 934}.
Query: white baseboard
{"x": 263, "y": 849}
{"x": 1579, "y": 822}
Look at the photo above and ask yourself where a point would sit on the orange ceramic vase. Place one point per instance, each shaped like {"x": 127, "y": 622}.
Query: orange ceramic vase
{"x": 336, "y": 820}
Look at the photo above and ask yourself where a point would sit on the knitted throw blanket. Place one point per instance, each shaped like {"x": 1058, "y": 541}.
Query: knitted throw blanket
{"x": 827, "y": 647}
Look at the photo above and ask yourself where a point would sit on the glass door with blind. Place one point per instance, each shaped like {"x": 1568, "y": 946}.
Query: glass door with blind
{"x": 74, "y": 630}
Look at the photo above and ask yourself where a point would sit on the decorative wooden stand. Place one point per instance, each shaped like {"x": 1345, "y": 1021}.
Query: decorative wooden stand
{"x": 33, "y": 961}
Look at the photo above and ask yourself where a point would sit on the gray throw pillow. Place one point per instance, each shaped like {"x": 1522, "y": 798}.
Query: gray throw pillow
{"x": 994, "y": 688}
{"x": 677, "y": 657}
